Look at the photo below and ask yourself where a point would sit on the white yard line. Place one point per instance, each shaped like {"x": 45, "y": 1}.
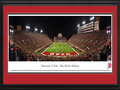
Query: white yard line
{"x": 76, "y": 47}
{"x": 46, "y": 49}
{"x": 73, "y": 49}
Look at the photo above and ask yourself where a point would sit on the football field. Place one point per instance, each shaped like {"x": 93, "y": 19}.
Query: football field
{"x": 59, "y": 49}
{"x": 62, "y": 47}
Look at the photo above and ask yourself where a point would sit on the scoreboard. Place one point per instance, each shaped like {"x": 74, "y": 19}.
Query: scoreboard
{"x": 59, "y": 35}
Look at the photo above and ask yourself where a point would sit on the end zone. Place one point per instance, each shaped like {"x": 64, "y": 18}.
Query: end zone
{"x": 59, "y": 54}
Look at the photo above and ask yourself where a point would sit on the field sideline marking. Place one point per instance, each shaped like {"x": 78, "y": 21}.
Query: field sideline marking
{"x": 77, "y": 47}
{"x": 46, "y": 49}
{"x": 73, "y": 49}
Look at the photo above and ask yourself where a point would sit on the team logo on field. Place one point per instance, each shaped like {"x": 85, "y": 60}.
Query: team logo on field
{"x": 59, "y": 54}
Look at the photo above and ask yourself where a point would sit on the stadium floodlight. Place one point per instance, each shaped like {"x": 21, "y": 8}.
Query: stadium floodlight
{"x": 36, "y": 29}
{"x": 92, "y": 18}
{"x": 83, "y": 22}
{"x": 11, "y": 31}
{"x": 41, "y": 31}
{"x": 78, "y": 25}
{"x": 27, "y": 27}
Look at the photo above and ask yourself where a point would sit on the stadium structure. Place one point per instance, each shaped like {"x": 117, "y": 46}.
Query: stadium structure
{"x": 89, "y": 44}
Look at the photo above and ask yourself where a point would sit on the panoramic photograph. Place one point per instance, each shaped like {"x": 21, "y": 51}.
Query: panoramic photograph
{"x": 60, "y": 38}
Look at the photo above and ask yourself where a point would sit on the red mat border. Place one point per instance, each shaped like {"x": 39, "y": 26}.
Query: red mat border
{"x": 59, "y": 78}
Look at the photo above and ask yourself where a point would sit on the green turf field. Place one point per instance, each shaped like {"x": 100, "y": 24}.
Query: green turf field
{"x": 60, "y": 47}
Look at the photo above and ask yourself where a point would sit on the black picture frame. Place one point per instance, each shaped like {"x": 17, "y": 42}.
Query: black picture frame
{"x": 60, "y": 3}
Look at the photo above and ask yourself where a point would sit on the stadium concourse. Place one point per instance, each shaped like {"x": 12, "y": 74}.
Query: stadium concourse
{"x": 31, "y": 46}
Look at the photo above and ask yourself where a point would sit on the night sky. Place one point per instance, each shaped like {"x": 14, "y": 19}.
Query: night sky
{"x": 52, "y": 25}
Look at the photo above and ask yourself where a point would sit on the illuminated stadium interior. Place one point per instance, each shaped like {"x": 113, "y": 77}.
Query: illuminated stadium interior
{"x": 59, "y": 38}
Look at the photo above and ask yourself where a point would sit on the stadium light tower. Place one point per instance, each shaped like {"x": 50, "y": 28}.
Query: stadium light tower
{"x": 11, "y": 31}
{"x": 83, "y": 22}
{"x": 92, "y": 18}
{"x": 78, "y": 25}
{"x": 27, "y": 27}
{"x": 41, "y": 31}
{"x": 36, "y": 29}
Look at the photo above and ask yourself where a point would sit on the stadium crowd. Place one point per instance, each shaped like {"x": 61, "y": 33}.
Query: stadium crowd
{"x": 97, "y": 47}
{"x": 59, "y": 39}
{"x": 22, "y": 44}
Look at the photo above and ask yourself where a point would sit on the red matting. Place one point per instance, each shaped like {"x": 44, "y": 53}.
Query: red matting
{"x": 60, "y": 78}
